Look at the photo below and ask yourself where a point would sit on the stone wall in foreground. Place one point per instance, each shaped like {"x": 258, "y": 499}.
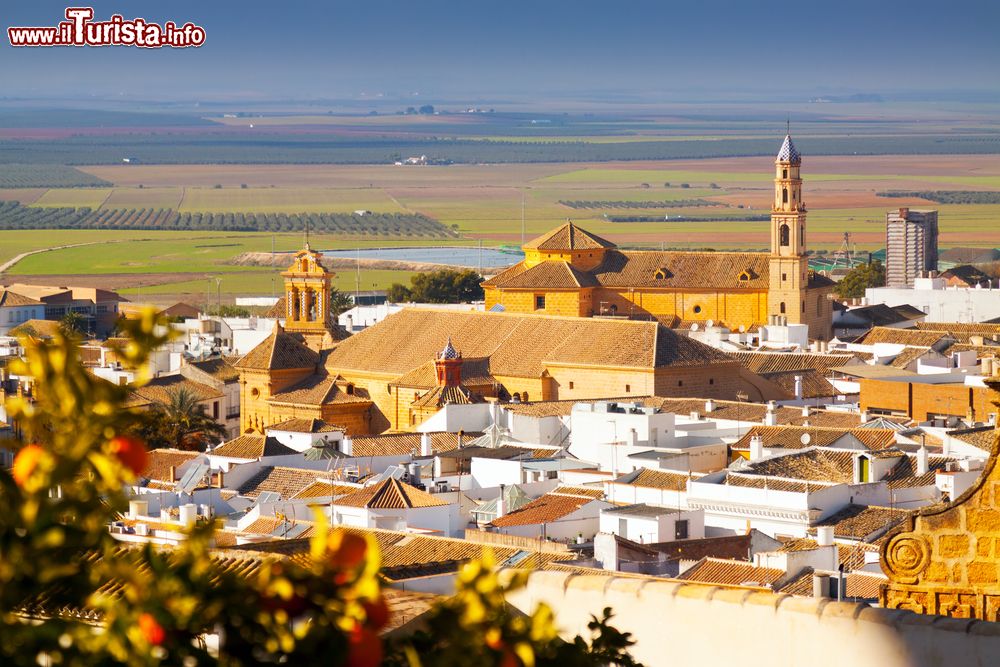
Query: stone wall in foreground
{"x": 696, "y": 624}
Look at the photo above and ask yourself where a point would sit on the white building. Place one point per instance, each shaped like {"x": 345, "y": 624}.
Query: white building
{"x": 940, "y": 302}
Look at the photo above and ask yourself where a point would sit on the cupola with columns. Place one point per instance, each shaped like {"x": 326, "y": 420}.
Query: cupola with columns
{"x": 307, "y": 293}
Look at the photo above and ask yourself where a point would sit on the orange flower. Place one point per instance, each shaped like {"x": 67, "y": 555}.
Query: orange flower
{"x": 364, "y": 648}
{"x": 376, "y": 613}
{"x": 130, "y": 451}
{"x": 151, "y": 629}
{"x": 351, "y": 551}
{"x": 25, "y": 463}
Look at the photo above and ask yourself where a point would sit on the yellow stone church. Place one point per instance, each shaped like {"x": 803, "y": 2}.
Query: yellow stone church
{"x": 572, "y": 272}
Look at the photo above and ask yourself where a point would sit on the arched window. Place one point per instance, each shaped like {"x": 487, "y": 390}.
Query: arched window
{"x": 784, "y": 173}
{"x": 784, "y": 195}
{"x": 782, "y": 308}
{"x": 784, "y": 233}
{"x": 803, "y": 306}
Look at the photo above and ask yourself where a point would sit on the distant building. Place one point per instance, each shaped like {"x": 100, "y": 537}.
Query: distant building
{"x": 98, "y": 308}
{"x": 911, "y": 241}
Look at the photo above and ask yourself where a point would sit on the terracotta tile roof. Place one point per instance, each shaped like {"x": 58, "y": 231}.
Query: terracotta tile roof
{"x": 222, "y": 368}
{"x": 390, "y": 494}
{"x": 551, "y": 274}
{"x": 984, "y": 329}
{"x": 595, "y": 492}
{"x": 671, "y": 269}
{"x": 161, "y": 389}
{"x": 399, "y": 444}
{"x": 814, "y": 385}
{"x": 37, "y": 328}
{"x": 10, "y": 299}
{"x": 267, "y": 525}
{"x": 324, "y": 489}
{"x": 569, "y": 237}
{"x": 547, "y": 508}
{"x": 790, "y": 437}
{"x": 904, "y": 475}
{"x": 812, "y": 465}
{"x": 908, "y": 355}
{"x": 475, "y": 373}
{"x": 734, "y": 547}
{"x": 517, "y": 345}
{"x": 861, "y": 522}
{"x": 318, "y": 389}
{"x": 657, "y": 479}
{"x": 983, "y": 438}
{"x": 780, "y": 362}
{"x": 278, "y": 479}
{"x": 916, "y": 337}
{"x": 160, "y": 461}
{"x": 252, "y": 446}
{"x": 858, "y": 585}
{"x": 732, "y": 573}
{"x": 279, "y": 351}
{"x": 296, "y": 425}
{"x": 439, "y": 397}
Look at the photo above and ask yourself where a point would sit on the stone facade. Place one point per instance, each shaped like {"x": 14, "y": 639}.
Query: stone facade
{"x": 946, "y": 559}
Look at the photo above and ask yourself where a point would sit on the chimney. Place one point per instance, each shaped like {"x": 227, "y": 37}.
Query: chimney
{"x": 188, "y": 514}
{"x": 798, "y": 388}
{"x": 137, "y": 508}
{"x": 501, "y": 502}
{"x": 633, "y": 438}
{"x": 220, "y": 478}
{"x": 864, "y": 416}
{"x": 821, "y": 585}
{"x": 806, "y": 411}
{"x": 824, "y": 536}
{"x": 709, "y": 406}
{"x": 347, "y": 446}
{"x": 923, "y": 464}
{"x": 425, "y": 445}
{"x": 756, "y": 448}
{"x": 771, "y": 417}
{"x": 173, "y": 473}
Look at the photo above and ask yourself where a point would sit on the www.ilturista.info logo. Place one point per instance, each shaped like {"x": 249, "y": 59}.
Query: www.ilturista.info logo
{"x": 79, "y": 29}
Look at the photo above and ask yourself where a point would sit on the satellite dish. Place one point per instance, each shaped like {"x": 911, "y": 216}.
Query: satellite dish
{"x": 710, "y": 323}
{"x": 805, "y": 439}
{"x": 694, "y": 327}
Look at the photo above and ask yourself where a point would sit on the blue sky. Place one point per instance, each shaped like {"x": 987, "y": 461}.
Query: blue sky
{"x": 694, "y": 49}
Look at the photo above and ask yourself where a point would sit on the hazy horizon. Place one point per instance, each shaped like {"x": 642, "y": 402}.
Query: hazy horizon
{"x": 639, "y": 52}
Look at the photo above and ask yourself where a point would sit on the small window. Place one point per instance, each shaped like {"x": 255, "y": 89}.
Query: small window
{"x": 711, "y": 380}
{"x": 681, "y": 529}
{"x": 784, "y": 232}
{"x": 680, "y": 383}
{"x": 803, "y": 306}
{"x": 350, "y": 390}
{"x": 215, "y": 409}
{"x": 745, "y": 276}
{"x": 784, "y": 173}
{"x": 539, "y": 302}
{"x": 784, "y": 277}
{"x": 571, "y": 384}
{"x": 782, "y": 307}
{"x": 784, "y": 195}
{"x": 524, "y": 396}
{"x": 697, "y": 309}
{"x": 628, "y": 389}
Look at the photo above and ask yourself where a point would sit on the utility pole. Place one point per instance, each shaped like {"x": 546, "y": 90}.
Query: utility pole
{"x": 522, "y": 218}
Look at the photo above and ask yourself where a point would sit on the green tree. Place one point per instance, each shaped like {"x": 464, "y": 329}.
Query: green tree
{"x": 399, "y": 293}
{"x": 181, "y": 423}
{"x": 339, "y": 302}
{"x": 73, "y": 324}
{"x": 860, "y": 278}
{"x": 446, "y": 286}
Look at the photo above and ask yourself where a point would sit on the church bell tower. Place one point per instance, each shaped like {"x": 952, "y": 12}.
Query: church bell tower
{"x": 789, "y": 267}
{"x": 307, "y": 294}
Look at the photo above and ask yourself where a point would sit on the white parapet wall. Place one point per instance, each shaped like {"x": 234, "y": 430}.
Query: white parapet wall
{"x": 677, "y": 623}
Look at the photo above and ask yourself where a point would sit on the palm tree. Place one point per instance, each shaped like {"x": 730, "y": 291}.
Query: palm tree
{"x": 339, "y": 302}
{"x": 181, "y": 423}
{"x": 73, "y": 324}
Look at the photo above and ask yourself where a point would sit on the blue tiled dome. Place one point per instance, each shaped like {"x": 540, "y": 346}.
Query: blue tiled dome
{"x": 449, "y": 351}
{"x": 788, "y": 152}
